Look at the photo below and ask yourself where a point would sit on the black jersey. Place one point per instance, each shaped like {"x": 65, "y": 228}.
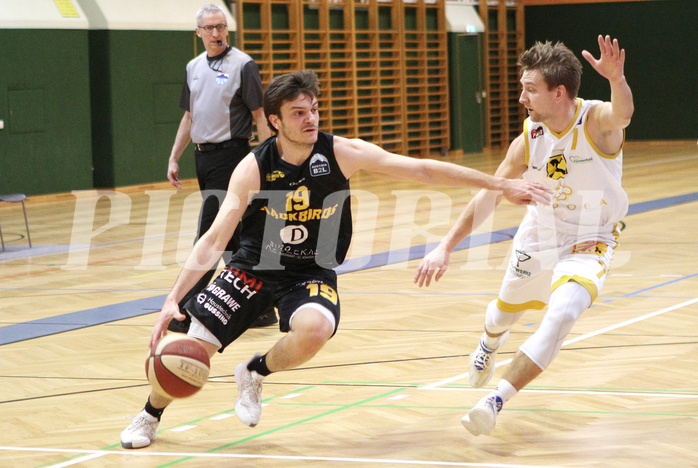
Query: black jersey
{"x": 301, "y": 218}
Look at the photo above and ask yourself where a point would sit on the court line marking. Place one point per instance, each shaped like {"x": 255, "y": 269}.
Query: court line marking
{"x": 183, "y": 428}
{"x": 130, "y": 453}
{"x": 29, "y": 330}
{"x": 437, "y": 385}
{"x": 75, "y": 460}
{"x": 582, "y": 392}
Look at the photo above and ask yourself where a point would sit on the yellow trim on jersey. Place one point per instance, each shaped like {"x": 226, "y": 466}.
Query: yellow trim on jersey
{"x": 596, "y": 148}
{"x": 528, "y": 150}
{"x": 572, "y": 123}
{"x": 513, "y": 308}
{"x": 586, "y": 284}
{"x": 616, "y": 235}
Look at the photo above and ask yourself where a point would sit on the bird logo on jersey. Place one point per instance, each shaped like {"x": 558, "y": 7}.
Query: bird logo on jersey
{"x": 557, "y": 167}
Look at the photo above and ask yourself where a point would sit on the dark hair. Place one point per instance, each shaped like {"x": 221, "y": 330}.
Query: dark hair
{"x": 557, "y": 64}
{"x": 288, "y": 87}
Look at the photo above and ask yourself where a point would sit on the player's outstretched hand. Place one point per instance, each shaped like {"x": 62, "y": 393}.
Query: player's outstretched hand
{"x": 170, "y": 310}
{"x": 610, "y": 63}
{"x": 526, "y": 192}
{"x": 435, "y": 262}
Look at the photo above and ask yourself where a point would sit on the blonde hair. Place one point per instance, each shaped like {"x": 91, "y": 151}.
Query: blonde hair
{"x": 557, "y": 64}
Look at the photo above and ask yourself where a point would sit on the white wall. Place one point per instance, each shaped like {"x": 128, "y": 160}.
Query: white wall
{"x": 41, "y": 14}
{"x": 149, "y": 15}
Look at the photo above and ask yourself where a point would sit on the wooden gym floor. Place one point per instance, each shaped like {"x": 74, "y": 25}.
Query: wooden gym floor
{"x": 390, "y": 388}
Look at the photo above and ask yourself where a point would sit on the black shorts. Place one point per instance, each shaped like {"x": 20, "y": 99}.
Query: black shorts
{"x": 228, "y": 306}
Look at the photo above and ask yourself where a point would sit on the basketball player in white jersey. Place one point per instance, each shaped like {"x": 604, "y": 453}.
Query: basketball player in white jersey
{"x": 561, "y": 253}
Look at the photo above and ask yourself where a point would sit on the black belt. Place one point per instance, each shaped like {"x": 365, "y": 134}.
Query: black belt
{"x": 203, "y": 147}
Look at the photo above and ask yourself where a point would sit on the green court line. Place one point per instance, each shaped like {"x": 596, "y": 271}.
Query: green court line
{"x": 364, "y": 403}
{"x": 286, "y": 426}
{"x": 232, "y": 410}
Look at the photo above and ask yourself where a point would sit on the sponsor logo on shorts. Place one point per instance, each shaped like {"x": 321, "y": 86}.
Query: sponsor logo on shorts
{"x": 519, "y": 272}
{"x": 590, "y": 247}
{"x": 515, "y": 267}
{"x": 521, "y": 257}
{"x": 217, "y": 310}
{"x": 241, "y": 282}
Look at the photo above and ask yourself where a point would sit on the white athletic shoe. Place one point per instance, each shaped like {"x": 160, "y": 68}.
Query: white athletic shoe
{"x": 482, "y": 418}
{"x": 248, "y": 406}
{"x": 141, "y": 432}
{"x": 482, "y": 362}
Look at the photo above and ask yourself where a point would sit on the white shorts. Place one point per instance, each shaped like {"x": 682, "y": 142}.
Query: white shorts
{"x": 543, "y": 259}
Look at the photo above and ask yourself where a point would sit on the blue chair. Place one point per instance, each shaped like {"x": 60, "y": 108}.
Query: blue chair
{"x": 16, "y": 198}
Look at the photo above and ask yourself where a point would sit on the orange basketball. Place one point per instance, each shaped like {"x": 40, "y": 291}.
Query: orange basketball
{"x": 178, "y": 367}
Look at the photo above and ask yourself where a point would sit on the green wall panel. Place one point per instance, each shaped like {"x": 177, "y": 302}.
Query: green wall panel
{"x": 136, "y": 79}
{"x": 660, "y": 40}
{"x": 465, "y": 83}
{"x": 45, "y": 146}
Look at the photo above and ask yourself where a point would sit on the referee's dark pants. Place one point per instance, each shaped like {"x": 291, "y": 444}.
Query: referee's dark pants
{"x": 214, "y": 166}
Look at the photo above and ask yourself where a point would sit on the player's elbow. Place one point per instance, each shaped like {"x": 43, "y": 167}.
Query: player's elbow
{"x": 626, "y": 116}
{"x": 623, "y": 114}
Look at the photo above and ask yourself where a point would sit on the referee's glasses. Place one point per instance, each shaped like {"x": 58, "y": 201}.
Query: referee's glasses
{"x": 209, "y": 28}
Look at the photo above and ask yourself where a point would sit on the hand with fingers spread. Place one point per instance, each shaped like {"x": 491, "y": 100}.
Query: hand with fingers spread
{"x": 611, "y": 61}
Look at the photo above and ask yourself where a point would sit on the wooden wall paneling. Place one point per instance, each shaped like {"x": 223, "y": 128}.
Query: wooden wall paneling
{"x": 382, "y": 65}
{"x": 415, "y": 77}
{"x": 390, "y": 104}
{"x": 367, "y": 59}
{"x": 504, "y": 41}
{"x": 437, "y": 80}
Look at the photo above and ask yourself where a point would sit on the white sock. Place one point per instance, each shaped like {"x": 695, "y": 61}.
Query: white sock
{"x": 491, "y": 342}
{"x": 504, "y": 390}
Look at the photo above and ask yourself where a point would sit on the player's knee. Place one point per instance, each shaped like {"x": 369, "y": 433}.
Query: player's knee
{"x": 497, "y": 321}
{"x": 566, "y": 306}
{"x": 313, "y": 325}
{"x": 540, "y": 349}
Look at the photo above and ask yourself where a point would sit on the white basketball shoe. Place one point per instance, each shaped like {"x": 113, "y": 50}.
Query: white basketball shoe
{"x": 248, "y": 405}
{"x": 141, "y": 432}
{"x": 481, "y": 419}
{"x": 482, "y": 362}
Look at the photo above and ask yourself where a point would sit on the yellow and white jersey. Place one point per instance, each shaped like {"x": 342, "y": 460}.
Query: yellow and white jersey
{"x": 587, "y": 182}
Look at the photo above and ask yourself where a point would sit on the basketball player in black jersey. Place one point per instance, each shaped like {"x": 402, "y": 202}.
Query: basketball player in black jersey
{"x": 292, "y": 195}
